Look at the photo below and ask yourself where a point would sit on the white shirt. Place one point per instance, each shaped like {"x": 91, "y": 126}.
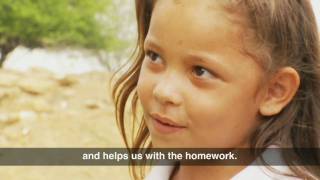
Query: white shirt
{"x": 250, "y": 172}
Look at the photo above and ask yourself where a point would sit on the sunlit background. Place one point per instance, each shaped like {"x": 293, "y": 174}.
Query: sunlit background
{"x": 316, "y": 9}
{"x": 81, "y": 46}
{"x": 57, "y": 57}
{"x": 70, "y": 37}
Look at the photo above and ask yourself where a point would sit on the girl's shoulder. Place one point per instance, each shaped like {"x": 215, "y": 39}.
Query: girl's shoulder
{"x": 254, "y": 171}
{"x": 160, "y": 173}
{"x": 265, "y": 173}
{"x": 250, "y": 172}
{"x": 258, "y": 170}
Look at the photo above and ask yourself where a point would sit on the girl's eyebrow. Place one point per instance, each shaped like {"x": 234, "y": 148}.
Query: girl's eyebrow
{"x": 204, "y": 57}
{"x": 192, "y": 56}
{"x": 151, "y": 42}
{"x": 207, "y": 59}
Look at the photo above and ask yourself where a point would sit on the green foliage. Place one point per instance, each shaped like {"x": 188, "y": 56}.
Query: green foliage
{"x": 56, "y": 22}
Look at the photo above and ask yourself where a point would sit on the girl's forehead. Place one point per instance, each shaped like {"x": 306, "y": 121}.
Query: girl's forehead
{"x": 207, "y": 4}
{"x": 196, "y": 27}
{"x": 204, "y": 9}
{"x": 194, "y": 21}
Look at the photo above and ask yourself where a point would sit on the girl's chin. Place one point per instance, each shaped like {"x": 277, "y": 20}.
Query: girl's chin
{"x": 157, "y": 144}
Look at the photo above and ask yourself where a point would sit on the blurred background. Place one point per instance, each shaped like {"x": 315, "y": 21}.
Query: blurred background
{"x": 56, "y": 59}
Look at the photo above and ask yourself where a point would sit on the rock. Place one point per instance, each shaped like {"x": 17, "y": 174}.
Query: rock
{"x": 60, "y": 61}
{"x": 41, "y": 72}
{"x": 27, "y": 116}
{"x": 8, "y": 79}
{"x": 68, "y": 80}
{"x": 41, "y": 105}
{"x": 4, "y": 95}
{"x": 64, "y": 104}
{"x": 9, "y": 95}
{"x": 93, "y": 104}
{"x": 3, "y": 140}
{"x": 69, "y": 92}
{"x": 36, "y": 86}
{"x": 8, "y": 118}
{"x": 13, "y": 134}
{"x": 25, "y": 131}
{"x": 34, "y": 104}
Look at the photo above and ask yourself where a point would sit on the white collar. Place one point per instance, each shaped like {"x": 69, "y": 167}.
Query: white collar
{"x": 250, "y": 172}
{"x": 160, "y": 173}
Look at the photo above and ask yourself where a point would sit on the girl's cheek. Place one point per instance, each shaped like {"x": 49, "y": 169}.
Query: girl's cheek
{"x": 147, "y": 79}
{"x": 141, "y": 88}
{"x": 144, "y": 87}
{"x": 142, "y": 78}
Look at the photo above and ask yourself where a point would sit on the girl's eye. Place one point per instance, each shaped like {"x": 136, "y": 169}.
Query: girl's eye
{"x": 153, "y": 56}
{"x": 202, "y": 72}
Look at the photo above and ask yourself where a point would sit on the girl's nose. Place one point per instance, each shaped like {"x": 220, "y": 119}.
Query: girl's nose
{"x": 166, "y": 92}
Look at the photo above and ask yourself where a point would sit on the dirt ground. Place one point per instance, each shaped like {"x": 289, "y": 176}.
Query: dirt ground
{"x": 38, "y": 109}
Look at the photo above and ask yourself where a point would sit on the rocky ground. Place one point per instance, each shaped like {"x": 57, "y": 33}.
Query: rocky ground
{"x": 38, "y": 109}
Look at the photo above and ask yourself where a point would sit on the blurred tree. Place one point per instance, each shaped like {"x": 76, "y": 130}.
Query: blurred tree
{"x": 35, "y": 23}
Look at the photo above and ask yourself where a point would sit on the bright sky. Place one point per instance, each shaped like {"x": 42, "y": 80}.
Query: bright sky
{"x": 316, "y": 9}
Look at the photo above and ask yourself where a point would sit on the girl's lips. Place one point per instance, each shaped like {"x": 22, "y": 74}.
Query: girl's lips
{"x": 165, "y": 125}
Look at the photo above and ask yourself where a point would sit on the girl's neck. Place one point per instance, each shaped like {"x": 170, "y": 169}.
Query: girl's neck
{"x": 205, "y": 172}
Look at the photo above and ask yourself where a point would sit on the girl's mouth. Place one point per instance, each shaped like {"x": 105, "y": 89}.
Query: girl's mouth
{"x": 164, "y": 125}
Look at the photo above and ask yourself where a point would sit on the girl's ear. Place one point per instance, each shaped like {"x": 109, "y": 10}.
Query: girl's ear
{"x": 280, "y": 91}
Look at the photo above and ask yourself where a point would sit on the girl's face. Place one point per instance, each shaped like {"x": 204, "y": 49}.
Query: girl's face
{"x": 196, "y": 86}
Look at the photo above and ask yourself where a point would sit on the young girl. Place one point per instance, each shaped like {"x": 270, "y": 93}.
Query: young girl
{"x": 225, "y": 74}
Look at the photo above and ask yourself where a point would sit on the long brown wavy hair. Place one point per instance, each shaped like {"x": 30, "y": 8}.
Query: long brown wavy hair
{"x": 285, "y": 34}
